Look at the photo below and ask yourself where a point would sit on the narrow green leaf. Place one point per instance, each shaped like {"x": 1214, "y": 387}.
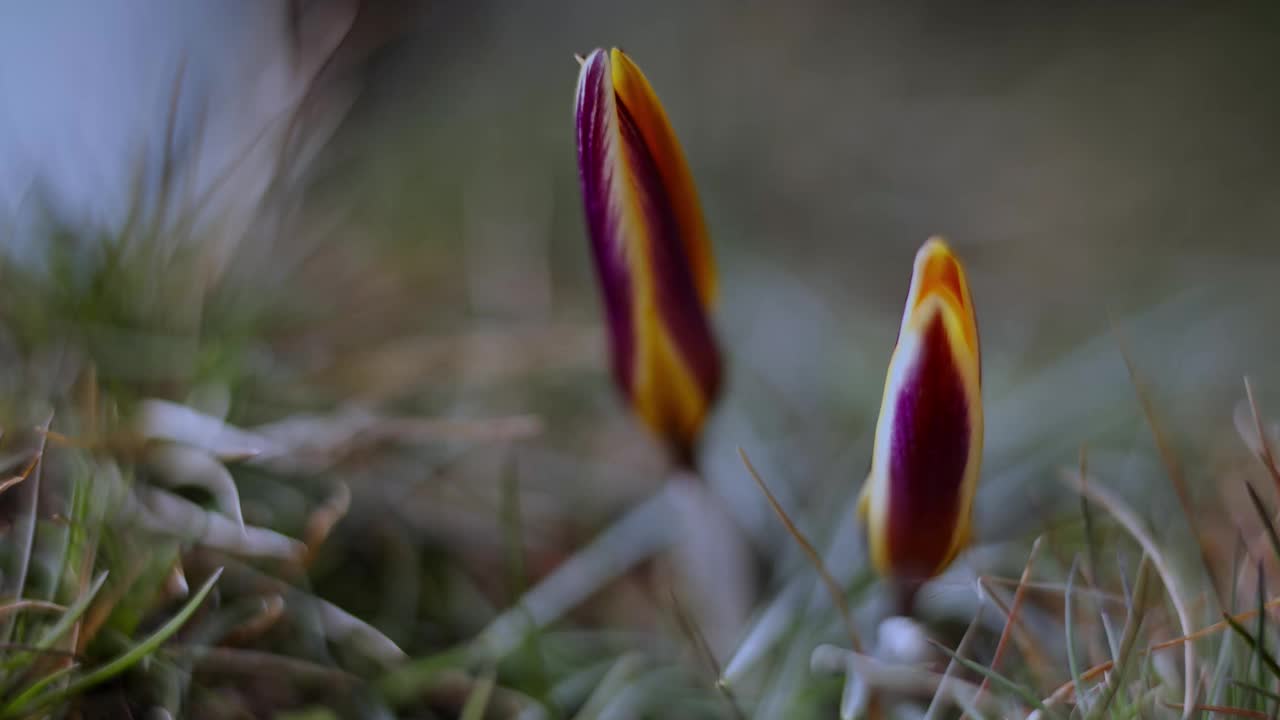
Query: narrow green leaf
{"x": 59, "y": 628}
{"x": 1027, "y": 695}
{"x": 1261, "y": 692}
{"x": 23, "y": 532}
{"x": 1220, "y": 691}
{"x": 73, "y": 613}
{"x": 478, "y": 700}
{"x": 38, "y": 686}
{"x": 122, "y": 663}
{"x": 1069, "y": 625}
{"x": 405, "y": 683}
{"x": 1262, "y": 617}
{"x": 1128, "y": 639}
{"x": 1265, "y": 516}
{"x": 1262, "y": 652}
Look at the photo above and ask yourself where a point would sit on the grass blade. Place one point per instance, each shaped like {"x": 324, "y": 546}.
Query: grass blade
{"x": 1127, "y": 641}
{"x": 699, "y": 641}
{"x": 1261, "y": 692}
{"x": 1261, "y": 509}
{"x": 60, "y": 628}
{"x": 936, "y": 702}
{"x": 1220, "y": 710}
{"x": 478, "y": 700}
{"x": 1262, "y": 615}
{"x": 837, "y": 595}
{"x": 1011, "y": 618}
{"x": 1129, "y": 520}
{"x": 24, "y": 527}
{"x": 1263, "y": 449}
{"x": 636, "y": 536}
{"x": 999, "y": 680}
{"x": 1173, "y": 469}
{"x": 1073, "y": 666}
{"x": 25, "y": 705}
{"x": 1267, "y": 659}
{"x": 73, "y": 613}
{"x": 38, "y": 686}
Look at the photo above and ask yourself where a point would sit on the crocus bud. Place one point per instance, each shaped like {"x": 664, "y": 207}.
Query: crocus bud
{"x": 918, "y": 499}
{"x": 651, "y": 250}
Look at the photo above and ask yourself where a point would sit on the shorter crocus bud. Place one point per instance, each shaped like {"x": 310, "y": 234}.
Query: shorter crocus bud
{"x": 651, "y": 250}
{"x": 918, "y": 499}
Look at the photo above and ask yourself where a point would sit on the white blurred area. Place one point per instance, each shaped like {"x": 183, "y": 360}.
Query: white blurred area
{"x": 179, "y": 105}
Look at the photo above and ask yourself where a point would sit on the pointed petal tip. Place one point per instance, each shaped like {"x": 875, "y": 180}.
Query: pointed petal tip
{"x": 586, "y": 64}
{"x": 623, "y": 65}
{"x": 939, "y": 268}
{"x": 939, "y": 276}
{"x": 936, "y": 243}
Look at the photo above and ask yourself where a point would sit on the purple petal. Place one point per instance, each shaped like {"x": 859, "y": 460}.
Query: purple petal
{"x": 596, "y": 116}
{"x": 930, "y": 448}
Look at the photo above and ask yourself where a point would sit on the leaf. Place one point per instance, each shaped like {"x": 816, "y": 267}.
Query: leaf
{"x": 27, "y": 702}
{"x": 999, "y": 680}
{"x": 1267, "y": 659}
{"x": 478, "y": 700}
{"x": 1069, "y": 625}
{"x": 1265, "y": 516}
{"x": 64, "y": 623}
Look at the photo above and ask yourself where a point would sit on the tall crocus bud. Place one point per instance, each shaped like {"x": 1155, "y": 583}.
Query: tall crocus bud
{"x": 917, "y": 501}
{"x": 651, "y": 249}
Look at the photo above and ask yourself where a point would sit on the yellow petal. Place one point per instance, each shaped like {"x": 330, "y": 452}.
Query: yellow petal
{"x": 938, "y": 274}
{"x": 639, "y": 100}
